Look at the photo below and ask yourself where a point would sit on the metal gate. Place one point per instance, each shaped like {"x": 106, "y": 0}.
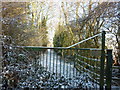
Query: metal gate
{"x": 66, "y": 67}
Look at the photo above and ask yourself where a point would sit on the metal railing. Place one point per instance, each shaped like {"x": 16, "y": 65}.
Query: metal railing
{"x": 76, "y": 65}
{"x": 66, "y": 67}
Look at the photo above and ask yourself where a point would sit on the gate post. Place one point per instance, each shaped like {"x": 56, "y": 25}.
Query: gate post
{"x": 102, "y": 61}
{"x": 109, "y": 69}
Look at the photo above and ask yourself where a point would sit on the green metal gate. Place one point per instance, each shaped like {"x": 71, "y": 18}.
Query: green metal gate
{"x": 79, "y": 66}
{"x": 96, "y": 62}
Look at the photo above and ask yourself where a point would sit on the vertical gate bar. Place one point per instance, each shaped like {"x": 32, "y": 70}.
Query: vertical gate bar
{"x": 60, "y": 63}
{"x": 40, "y": 57}
{"x": 67, "y": 75}
{"x": 76, "y": 63}
{"x": 53, "y": 62}
{"x": 56, "y": 64}
{"x": 80, "y": 68}
{"x": 43, "y": 59}
{"x": 109, "y": 69}
{"x": 102, "y": 61}
{"x": 50, "y": 60}
{"x": 70, "y": 61}
{"x": 83, "y": 69}
{"x": 65, "y": 64}
{"x": 46, "y": 59}
{"x": 94, "y": 69}
{"x": 64, "y": 51}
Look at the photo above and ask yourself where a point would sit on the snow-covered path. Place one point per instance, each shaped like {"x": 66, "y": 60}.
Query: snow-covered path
{"x": 56, "y": 64}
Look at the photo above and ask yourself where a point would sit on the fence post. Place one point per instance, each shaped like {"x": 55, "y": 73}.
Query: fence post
{"x": 109, "y": 69}
{"x": 102, "y": 61}
{"x": 1, "y": 58}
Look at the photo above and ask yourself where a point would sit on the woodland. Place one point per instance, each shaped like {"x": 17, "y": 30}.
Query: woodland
{"x": 59, "y": 24}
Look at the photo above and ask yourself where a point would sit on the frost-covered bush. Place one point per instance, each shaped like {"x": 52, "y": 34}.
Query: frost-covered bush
{"x": 17, "y": 64}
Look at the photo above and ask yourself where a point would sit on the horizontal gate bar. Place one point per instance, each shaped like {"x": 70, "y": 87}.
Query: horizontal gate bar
{"x": 38, "y": 47}
{"x": 89, "y": 58}
{"x": 89, "y": 65}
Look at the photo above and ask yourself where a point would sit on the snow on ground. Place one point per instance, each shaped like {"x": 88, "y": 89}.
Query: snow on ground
{"x": 49, "y": 71}
{"x": 55, "y": 64}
